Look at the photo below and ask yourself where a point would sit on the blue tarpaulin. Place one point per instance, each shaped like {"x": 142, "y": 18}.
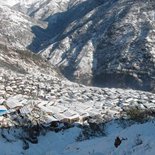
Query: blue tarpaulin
{"x": 3, "y": 110}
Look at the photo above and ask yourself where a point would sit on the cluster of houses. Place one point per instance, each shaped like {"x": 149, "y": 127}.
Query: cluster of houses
{"x": 44, "y": 112}
{"x": 57, "y": 100}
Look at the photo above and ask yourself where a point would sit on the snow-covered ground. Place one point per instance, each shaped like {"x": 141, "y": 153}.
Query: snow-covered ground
{"x": 14, "y": 2}
{"x": 139, "y": 141}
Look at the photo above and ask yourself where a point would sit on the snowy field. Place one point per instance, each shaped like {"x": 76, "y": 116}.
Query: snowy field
{"x": 139, "y": 140}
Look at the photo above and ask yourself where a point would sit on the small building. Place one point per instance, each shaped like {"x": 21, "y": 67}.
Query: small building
{"x": 12, "y": 103}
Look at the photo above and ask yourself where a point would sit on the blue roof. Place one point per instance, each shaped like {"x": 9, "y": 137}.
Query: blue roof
{"x": 2, "y": 112}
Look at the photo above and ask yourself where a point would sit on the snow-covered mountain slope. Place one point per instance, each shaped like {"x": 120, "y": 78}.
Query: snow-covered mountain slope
{"x": 110, "y": 42}
{"x": 42, "y": 9}
{"x": 105, "y": 43}
{"x": 11, "y": 3}
{"x": 25, "y": 14}
{"x": 23, "y": 62}
{"x": 16, "y": 28}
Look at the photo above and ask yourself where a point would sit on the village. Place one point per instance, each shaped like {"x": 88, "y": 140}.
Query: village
{"x": 44, "y": 100}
